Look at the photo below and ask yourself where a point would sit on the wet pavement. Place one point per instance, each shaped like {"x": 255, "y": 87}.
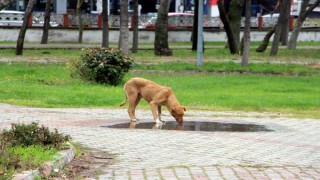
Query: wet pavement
{"x": 193, "y": 126}
{"x": 290, "y": 149}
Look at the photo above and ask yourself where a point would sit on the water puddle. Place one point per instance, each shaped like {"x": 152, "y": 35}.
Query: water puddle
{"x": 194, "y": 126}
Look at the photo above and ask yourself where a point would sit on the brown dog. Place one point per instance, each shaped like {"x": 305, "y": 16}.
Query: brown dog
{"x": 156, "y": 95}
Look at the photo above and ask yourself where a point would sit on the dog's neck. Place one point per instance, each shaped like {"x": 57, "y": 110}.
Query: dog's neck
{"x": 172, "y": 102}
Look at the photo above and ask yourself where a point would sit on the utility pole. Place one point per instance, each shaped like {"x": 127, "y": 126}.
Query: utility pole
{"x": 200, "y": 34}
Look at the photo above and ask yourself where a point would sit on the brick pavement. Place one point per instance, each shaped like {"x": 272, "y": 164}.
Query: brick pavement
{"x": 291, "y": 151}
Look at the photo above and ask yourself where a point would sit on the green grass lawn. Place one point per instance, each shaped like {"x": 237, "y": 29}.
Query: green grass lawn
{"x": 50, "y": 85}
{"x": 185, "y": 55}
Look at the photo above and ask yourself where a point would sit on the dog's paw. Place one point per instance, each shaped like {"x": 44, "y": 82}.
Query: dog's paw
{"x": 158, "y": 121}
{"x": 157, "y": 126}
{"x": 133, "y": 120}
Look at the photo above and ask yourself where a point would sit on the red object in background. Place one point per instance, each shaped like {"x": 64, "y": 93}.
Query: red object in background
{"x": 100, "y": 21}
{"x": 65, "y": 20}
{"x": 260, "y": 22}
{"x": 30, "y": 21}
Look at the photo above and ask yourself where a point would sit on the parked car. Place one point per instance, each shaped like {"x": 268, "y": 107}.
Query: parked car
{"x": 15, "y": 18}
{"x": 175, "y": 20}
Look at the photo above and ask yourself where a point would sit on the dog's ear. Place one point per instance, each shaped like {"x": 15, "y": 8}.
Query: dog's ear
{"x": 184, "y": 108}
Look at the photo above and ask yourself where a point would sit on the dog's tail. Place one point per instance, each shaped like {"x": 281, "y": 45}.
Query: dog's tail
{"x": 124, "y": 101}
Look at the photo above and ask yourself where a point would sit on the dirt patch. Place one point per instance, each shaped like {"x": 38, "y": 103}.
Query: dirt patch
{"x": 316, "y": 66}
{"x": 89, "y": 163}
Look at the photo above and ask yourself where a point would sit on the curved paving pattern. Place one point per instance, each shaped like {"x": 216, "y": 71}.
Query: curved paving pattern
{"x": 291, "y": 151}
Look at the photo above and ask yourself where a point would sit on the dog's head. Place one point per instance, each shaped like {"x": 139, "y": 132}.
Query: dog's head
{"x": 177, "y": 112}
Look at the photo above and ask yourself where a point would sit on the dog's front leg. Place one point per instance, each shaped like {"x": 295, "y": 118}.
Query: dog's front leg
{"x": 154, "y": 108}
{"x": 159, "y": 112}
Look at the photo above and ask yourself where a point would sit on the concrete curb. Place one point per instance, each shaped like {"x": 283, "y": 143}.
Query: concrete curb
{"x": 64, "y": 158}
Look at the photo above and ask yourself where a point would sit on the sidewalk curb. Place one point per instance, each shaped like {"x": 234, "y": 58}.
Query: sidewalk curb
{"x": 64, "y": 158}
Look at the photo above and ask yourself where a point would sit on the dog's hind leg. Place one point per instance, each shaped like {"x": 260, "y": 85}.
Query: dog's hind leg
{"x": 133, "y": 102}
{"x": 135, "y": 105}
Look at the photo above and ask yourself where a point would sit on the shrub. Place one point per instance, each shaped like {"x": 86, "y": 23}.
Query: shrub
{"x": 7, "y": 160}
{"x": 103, "y": 65}
{"x": 32, "y": 134}
{"x": 22, "y": 142}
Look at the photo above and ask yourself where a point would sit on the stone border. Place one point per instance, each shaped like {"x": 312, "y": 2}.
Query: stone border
{"x": 64, "y": 158}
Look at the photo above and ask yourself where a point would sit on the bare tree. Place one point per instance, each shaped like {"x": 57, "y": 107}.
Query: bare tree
{"x": 79, "y": 4}
{"x": 234, "y": 16}
{"x": 302, "y": 16}
{"x": 124, "y": 29}
{"x": 246, "y": 35}
{"x": 161, "y": 45}
{"x": 46, "y": 24}
{"x": 285, "y": 6}
{"x": 4, "y": 3}
{"x": 224, "y": 18}
{"x": 286, "y": 27}
{"x": 23, "y": 29}
{"x": 135, "y": 26}
{"x": 265, "y": 42}
{"x": 105, "y": 24}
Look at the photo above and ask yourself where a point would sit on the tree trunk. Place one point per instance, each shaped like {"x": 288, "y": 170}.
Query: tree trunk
{"x": 286, "y": 27}
{"x": 161, "y": 45}
{"x": 46, "y": 24}
{"x": 231, "y": 40}
{"x": 135, "y": 27}
{"x": 20, "y": 41}
{"x": 278, "y": 30}
{"x": 79, "y": 3}
{"x": 246, "y": 35}
{"x": 105, "y": 24}
{"x": 4, "y": 3}
{"x": 297, "y": 27}
{"x": 234, "y": 16}
{"x": 265, "y": 42}
{"x": 194, "y": 36}
{"x": 124, "y": 29}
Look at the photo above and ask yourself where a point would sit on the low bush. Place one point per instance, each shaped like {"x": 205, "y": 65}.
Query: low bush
{"x": 33, "y": 134}
{"x": 7, "y": 160}
{"x": 27, "y": 146}
{"x": 103, "y": 65}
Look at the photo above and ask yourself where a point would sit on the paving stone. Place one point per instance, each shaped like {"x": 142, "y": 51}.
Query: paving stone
{"x": 291, "y": 151}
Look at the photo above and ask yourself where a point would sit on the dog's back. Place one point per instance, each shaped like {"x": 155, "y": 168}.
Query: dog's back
{"x": 143, "y": 87}
{"x": 139, "y": 83}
